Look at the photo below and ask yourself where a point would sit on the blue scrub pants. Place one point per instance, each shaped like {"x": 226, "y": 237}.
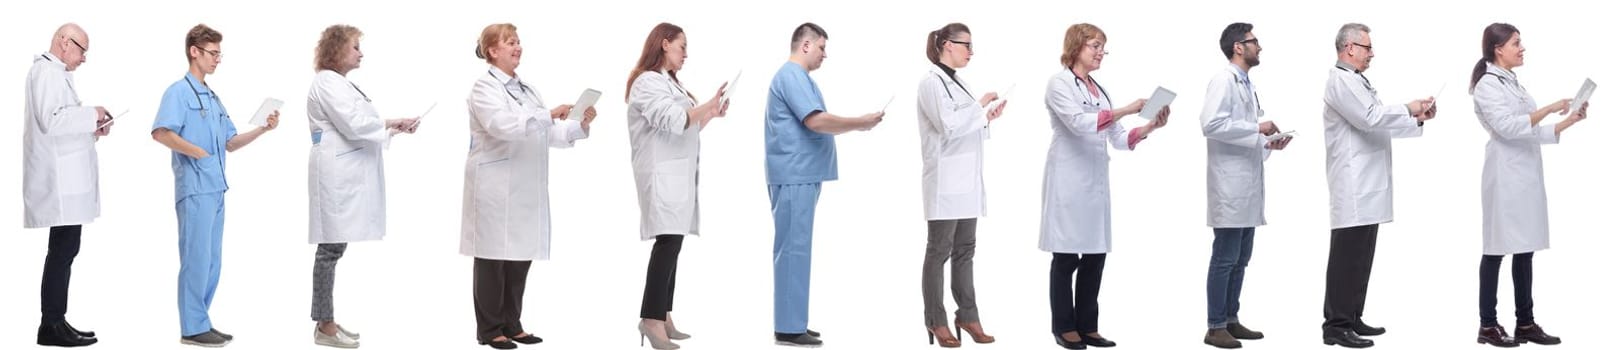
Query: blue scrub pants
{"x": 202, "y": 227}
{"x": 794, "y": 210}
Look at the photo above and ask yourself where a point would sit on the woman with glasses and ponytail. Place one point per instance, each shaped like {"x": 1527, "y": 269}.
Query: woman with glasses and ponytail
{"x": 954, "y": 124}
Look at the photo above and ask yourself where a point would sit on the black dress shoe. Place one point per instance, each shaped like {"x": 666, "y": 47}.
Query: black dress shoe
{"x": 1346, "y": 338}
{"x": 811, "y": 333}
{"x": 59, "y": 334}
{"x": 1496, "y": 335}
{"x": 1096, "y": 341}
{"x": 1069, "y": 344}
{"x": 529, "y": 339}
{"x": 1533, "y": 334}
{"x": 499, "y": 344}
{"x": 86, "y": 334}
{"x": 1359, "y": 327}
{"x": 799, "y": 339}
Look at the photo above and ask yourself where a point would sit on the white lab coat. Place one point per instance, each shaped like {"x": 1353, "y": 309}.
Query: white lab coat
{"x": 1515, "y": 217}
{"x": 1359, "y": 148}
{"x": 60, "y": 176}
{"x": 664, "y": 154}
{"x": 953, "y": 127}
{"x": 346, "y": 185}
{"x": 1076, "y": 214}
{"x": 505, "y": 209}
{"x": 1236, "y": 151}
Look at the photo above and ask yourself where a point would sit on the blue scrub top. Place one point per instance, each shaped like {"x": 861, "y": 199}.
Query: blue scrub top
{"x": 793, "y": 154}
{"x": 193, "y": 111}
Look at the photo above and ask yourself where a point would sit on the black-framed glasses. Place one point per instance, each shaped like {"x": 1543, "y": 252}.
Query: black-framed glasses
{"x": 1367, "y": 47}
{"x": 968, "y": 44}
{"x": 75, "y": 42}
{"x": 215, "y": 53}
{"x": 1252, "y": 40}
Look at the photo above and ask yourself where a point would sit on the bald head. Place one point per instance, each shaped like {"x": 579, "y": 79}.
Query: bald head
{"x": 70, "y": 44}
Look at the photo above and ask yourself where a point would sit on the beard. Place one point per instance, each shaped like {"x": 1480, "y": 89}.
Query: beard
{"x": 1252, "y": 61}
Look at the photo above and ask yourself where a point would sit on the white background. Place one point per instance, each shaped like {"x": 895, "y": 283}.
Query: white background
{"x": 413, "y": 290}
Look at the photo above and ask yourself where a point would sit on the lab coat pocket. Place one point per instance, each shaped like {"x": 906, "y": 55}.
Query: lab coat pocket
{"x": 493, "y": 186}
{"x": 958, "y": 173}
{"x": 672, "y": 182}
{"x": 77, "y": 173}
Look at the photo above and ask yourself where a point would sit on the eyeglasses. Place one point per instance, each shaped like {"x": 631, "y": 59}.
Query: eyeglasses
{"x": 82, "y": 49}
{"x": 216, "y": 54}
{"x": 968, "y": 44}
{"x": 1100, "y": 47}
{"x": 1253, "y": 40}
{"x": 1367, "y": 47}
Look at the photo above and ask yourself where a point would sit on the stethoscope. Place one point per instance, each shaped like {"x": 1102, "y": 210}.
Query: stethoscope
{"x": 520, "y": 85}
{"x": 1362, "y": 78}
{"x": 69, "y": 81}
{"x": 1079, "y": 82}
{"x": 1250, "y": 91}
{"x": 951, "y": 95}
{"x": 202, "y": 113}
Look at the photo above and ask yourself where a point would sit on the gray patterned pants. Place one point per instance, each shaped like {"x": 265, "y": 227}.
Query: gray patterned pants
{"x": 326, "y": 256}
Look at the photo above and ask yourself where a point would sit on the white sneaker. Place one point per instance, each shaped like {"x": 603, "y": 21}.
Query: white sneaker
{"x": 338, "y": 340}
{"x": 344, "y": 331}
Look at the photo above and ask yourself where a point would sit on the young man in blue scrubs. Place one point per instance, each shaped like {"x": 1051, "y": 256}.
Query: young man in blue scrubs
{"x": 799, "y": 155}
{"x": 193, "y": 123}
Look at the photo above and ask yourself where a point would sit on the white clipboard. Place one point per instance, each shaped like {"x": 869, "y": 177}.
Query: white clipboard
{"x": 262, "y": 117}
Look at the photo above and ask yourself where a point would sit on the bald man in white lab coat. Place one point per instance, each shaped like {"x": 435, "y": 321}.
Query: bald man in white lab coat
{"x": 60, "y": 179}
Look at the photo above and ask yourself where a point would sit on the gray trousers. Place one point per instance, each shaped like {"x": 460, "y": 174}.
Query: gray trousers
{"x": 949, "y": 240}
{"x": 326, "y": 255}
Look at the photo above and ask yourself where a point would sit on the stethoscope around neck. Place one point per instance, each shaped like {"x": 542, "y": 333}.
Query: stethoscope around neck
{"x": 520, "y": 85}
{"x": 203, "y": 112}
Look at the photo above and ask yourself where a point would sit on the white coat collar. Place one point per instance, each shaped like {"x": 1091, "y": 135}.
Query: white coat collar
{"x": 1500, "y": 71}
{"x": 55, "y": 61}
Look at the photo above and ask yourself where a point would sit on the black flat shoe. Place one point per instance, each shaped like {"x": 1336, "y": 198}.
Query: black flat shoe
{"x": 529, "y": 339}
{"x": 86, "y": 334}
{"x": 1099, "y": 342}
{"x": 503, "y": 345}
{"x": 59, "y": 334}
{"x": 1069, "y": 344}
{"x": 800, "y": 340}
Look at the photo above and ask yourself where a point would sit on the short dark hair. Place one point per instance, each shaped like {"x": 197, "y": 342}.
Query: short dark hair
{"x": 807, "y": 31}
{"x": 1234, "y": 33}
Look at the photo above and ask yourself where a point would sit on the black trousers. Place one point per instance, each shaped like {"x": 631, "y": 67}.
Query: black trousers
{"x": 497, "y": 289}
{"x": 64, "y": 246}
{"x": 1522, "y": 283}
{"x": 1348, "y": 275}
{"x": 658, "y": 299}
{"x": 1075, "y": 309}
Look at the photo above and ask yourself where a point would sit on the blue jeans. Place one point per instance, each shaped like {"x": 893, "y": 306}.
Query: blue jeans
{"x": 1232, "y": 248}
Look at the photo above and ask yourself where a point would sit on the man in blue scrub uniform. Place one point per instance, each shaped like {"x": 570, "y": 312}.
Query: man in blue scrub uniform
{"x": 799, "y": 155}
{"x": 192, "y": 122}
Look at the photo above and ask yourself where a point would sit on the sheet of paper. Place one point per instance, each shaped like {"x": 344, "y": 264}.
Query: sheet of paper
{"x": 586, "y": 99}
{"x": 1583, "y": 96}
{"x": 730, "y": 87}
{"x": 109, "y": 120}
{"x": 1160, "y": 98}
{"x": 1280, "y": 135}
{"x": 270, "y": 105}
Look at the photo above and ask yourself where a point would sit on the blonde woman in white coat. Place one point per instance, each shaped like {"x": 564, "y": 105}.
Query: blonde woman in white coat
{"x": 346, "y": 201}
{"x": 665, "y": 127}
{"x": 1076, "y": 223}
{"x": 1515, "y": 218}
{"x": 505, "y": 212}
{"x": 953, "y": 126}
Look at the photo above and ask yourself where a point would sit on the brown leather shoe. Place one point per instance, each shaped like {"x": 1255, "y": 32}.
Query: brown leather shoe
{"x": 1496, "y": 335}
{"x": 1533, "y": 334}
{"x": 1242, "y": 332}
{"x": 1221, "y": 338}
